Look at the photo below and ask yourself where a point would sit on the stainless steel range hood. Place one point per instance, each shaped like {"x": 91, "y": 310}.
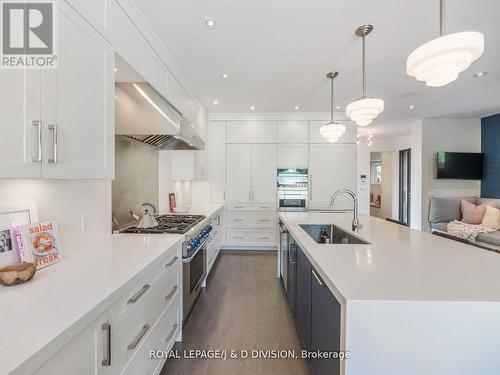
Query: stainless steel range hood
{"x": 144, "y": 115}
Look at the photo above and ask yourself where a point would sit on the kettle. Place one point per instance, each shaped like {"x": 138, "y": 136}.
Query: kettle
{"x": 147, "y": 220}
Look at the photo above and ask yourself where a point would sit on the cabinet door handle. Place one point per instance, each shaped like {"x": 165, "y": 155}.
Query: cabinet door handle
{"x": 265, "y": 238}
{"x": 218, "y": 219}
{"x": 145, "y": 328}
{"x": 318, "y": 279}
{"x": 172, "y": 261}
{"x": 54, "y": 143}
{"x": 237, "y": 219}
{"x": 264, "y": 207}
{"x": 107, "y": 358}
{"x": 249, "y": 195}
{"x": 38, "y": 141}
{"x": 172, "y": 292}
{"x": 238, "y": 237}
{"x": 264, "y": 220}
{"x": 171, "y": 334}
{"x": 139, "y": 294}
{"x": 238, "y": 206}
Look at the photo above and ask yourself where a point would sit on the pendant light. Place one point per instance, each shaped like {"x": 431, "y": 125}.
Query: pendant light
{"x": 365, "y": 109}
{"x": 333, "y": 130}
{"x": 441, "y": 60}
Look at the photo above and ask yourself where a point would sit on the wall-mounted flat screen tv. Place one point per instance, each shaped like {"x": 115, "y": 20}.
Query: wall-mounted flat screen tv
{"x": 460, "y": 165}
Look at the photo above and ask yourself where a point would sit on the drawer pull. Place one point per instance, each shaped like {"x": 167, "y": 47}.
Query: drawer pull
{"x": 238, "y": 237}
{"x": 174, "y": 259}
{"x": 139, "y": 294}
{"x": 265, "y": 207}
{"x": 171, "y": 334}
{"x": 172, "y": 292}
{"x": 237, "y": 206}
{"x": 145, "y": 328}
{"x": 264, "y": 220}
{"x": 238, "y": 220}
{"x": 106, "y": 361}
{"x": 265, "y": 238}
{"x": 317, "y": 278}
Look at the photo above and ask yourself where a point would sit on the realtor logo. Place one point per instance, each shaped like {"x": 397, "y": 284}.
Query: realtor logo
{"x": 29, "y": 31}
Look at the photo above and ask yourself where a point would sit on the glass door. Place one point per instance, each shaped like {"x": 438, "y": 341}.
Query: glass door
{"x": 404, "y": 186}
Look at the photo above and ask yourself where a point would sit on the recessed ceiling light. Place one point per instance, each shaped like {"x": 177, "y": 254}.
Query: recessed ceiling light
{"x": 337, "y": 107}
{"x": 216, "y": 102}
{"x": 210, "y": 23}
{"x": 116, "y": 69}
{"x": 411, "y": 106}
{"x": 224, "y": 76}
{"x": 296, "y": 107}
{"x": 252, "y": 107}
{"x": 480, "y": 74}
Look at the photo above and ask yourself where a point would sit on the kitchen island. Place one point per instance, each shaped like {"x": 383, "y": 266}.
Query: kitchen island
{"x": 410, "y": 302}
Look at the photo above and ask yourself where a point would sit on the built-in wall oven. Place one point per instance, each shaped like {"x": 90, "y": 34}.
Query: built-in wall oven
{"x": 194, "y": 258}
{"x": 292, "y": 188}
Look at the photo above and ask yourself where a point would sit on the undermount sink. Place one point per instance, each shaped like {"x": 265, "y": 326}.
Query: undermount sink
{"x": 336, "y": 234}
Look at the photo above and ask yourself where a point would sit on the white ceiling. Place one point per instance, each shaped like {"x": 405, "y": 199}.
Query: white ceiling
{"x": 277, "y": 52}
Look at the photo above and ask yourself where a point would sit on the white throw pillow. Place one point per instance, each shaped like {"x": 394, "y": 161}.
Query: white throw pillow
{"x": 491, "y": 218}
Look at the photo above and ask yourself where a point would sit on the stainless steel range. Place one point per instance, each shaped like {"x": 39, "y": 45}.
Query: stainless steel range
{"x": 168, "y": 224}
{"x": 194, "y": 250}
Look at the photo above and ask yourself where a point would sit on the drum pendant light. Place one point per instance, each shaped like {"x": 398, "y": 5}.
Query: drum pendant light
{"x": 333, "y": 130}
{"x": 441, "y": 60}
{"x": 365, "y": 109}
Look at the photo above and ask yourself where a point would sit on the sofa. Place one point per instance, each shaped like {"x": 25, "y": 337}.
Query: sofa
{"x": 445, "y": 209}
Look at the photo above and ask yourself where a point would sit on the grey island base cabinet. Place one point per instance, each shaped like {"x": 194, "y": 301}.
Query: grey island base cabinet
{"x": 315, "y": 310}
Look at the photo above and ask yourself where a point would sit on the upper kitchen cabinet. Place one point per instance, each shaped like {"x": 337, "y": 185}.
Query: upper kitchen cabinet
{"x": 251, "y": 132}
{"x": 217, "y": 150}
{"x": 293, "y": 155}
{"x": 99, "y": 13}
{"x": 60, "y": 123}
{"x": 21, "y": 123}
{"x": 331, "y": 167}
{"x": 263, "y": 173}
{"x": 251, "y": 173}
{"x": 350, "y": 135}
{"x": 239, "y": 176}
{"x": 292, "y": 131}
{"x": 78, "y": 103}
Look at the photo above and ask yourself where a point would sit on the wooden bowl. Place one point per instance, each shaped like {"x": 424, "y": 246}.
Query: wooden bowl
{"x": 17, "y": 273}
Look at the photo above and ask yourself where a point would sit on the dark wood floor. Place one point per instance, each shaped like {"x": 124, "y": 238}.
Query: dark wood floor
{"x": 243, "y": 307}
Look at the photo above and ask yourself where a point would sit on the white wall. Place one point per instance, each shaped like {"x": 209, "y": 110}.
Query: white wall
{"x": 460, "y": 135}
{"x": 65, "y": 201}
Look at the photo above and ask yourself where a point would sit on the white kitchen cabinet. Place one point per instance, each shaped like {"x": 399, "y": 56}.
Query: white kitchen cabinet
{"x": 73, "y": 106}
{"x": 217, "y": 150}
{"x": 78, "y": 103}
{"x": 21, "y": 109}
{"x": 293, "y": 155}
{"x": 201, "y": 165}
{"x": 251, "y": 132}
{"x": 348, "y": 137}
{"x": 292, "y": 131}
{"x": 331, "y": 167}
{"x": 251, "y": 173}
{"x": 263, "y": 173}
{"x": 239, "y": 172}
{"x": 87, "y": 354}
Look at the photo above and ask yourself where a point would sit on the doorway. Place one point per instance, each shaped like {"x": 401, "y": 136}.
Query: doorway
{"x": 404, "y": 186}
{"x": 381, "y": 184}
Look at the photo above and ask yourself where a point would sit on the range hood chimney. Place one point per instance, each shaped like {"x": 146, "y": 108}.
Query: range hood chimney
{"x": 143, "y": 115}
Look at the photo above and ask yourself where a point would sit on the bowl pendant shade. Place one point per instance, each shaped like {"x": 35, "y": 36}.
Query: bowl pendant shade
{"x": 332, "y": 131}
{"x": 441, "y": 60}
{"x": 364, "y": 110}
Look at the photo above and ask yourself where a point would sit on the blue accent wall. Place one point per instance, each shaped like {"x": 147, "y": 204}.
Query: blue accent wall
{"x": 490, "y": 146}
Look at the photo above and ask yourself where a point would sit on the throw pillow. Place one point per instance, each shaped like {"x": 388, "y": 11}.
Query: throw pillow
{"x": 472, "y": 214}
{"x": 491, "y": 218}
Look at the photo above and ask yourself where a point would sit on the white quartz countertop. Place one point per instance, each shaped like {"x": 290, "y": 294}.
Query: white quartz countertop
{"x": 62, "y": 299}
{"x": 399, "y": 264}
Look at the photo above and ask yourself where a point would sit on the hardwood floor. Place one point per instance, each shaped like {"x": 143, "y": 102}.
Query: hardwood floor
{"x": 244, "y": 307}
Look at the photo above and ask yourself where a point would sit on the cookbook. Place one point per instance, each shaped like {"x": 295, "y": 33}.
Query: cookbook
{"x": 38, "y": 243}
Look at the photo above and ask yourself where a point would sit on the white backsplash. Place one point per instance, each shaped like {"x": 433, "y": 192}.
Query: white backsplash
{"x": 66, "y": 201}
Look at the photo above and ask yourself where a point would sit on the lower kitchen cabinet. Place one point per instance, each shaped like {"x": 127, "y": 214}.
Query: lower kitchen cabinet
{"x": 303, "y": 295}
{"x": 316, "y": 311}
{"x": 325, "y": 326}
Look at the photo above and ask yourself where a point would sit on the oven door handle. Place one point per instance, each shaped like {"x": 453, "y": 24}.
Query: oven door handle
{"x": 188, "y": 260}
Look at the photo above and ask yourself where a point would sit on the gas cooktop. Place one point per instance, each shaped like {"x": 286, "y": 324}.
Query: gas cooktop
{"x": 168, "y": 224}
